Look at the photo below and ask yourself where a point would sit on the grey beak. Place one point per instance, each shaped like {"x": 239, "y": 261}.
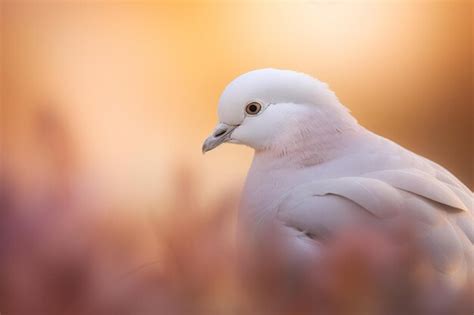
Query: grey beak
{"x": 220, "y": 135}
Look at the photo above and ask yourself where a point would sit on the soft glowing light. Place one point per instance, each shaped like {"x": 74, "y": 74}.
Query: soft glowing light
{"x": 137, "y": 84}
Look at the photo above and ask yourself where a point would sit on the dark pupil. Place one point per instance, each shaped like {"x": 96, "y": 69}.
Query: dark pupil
{"x": 253, "y": 108}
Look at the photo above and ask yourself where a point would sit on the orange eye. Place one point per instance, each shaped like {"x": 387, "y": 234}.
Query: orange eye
{"x": 253, "y": 108}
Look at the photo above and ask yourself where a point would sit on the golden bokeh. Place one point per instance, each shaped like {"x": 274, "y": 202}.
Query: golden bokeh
{"x": 136, "y": 84}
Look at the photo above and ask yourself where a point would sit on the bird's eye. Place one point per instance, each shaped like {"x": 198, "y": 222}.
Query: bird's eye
{"x": 253, "y": 108}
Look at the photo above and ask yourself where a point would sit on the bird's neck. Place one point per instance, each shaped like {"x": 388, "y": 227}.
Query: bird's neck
{"x": 309, "y": 140}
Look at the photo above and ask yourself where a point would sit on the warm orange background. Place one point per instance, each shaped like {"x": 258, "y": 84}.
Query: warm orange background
{"x": 136, "y": 85}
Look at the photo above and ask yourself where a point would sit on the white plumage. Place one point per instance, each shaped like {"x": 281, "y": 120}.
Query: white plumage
{"x": 316, "y": 171}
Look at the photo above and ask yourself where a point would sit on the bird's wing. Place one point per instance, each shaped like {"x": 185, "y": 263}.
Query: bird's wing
{"x": 446, "y": 227}
{"x": 425, "y": 185}
{"x": 447, "y": 195}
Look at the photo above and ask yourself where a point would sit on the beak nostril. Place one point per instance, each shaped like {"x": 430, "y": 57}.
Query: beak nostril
{"x": 220, "y": 133}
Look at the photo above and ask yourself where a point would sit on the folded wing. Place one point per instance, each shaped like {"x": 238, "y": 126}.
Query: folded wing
{"x": 441, "y": 212}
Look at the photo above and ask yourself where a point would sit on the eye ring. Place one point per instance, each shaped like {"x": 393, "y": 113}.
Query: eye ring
{"x": 253, "y": 108}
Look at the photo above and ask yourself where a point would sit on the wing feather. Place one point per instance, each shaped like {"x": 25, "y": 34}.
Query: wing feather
{"x": 423, "y": 184}
{"x": 377, "y": 197}
{"x": 322, "y": 207}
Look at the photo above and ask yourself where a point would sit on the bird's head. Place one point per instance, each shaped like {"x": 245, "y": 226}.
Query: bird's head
{"x": 266, "y": 107}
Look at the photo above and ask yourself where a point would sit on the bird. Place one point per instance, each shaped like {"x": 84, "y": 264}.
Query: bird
{"x": 316, "y": 171}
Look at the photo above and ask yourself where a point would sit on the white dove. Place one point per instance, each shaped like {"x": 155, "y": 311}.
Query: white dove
{"x": 316, "y": 171}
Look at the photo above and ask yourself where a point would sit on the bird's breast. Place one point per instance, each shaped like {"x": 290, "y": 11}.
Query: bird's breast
{"x": 262, "y": 194}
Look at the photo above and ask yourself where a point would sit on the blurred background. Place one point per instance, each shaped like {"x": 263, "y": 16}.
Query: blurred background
{"x": 104, "y": 106}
